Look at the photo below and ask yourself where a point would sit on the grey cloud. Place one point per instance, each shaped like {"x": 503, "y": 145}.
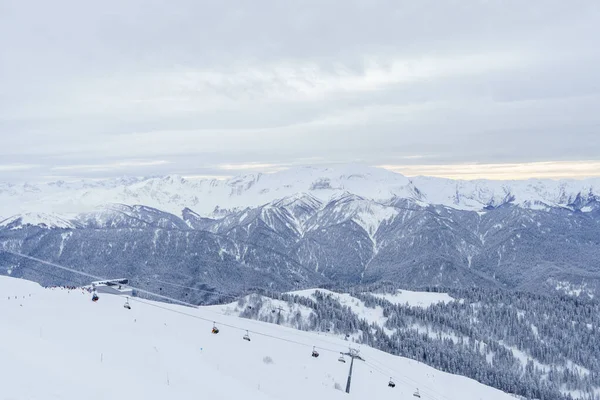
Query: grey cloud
{"x": 200, "y": 84}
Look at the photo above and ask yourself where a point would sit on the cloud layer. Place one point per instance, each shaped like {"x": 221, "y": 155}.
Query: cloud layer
{"x": 197, "y": 88}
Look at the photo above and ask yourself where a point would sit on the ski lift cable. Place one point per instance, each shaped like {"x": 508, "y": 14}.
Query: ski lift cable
{"x": 382, "y": 372}
{"x": 158, "y": 296}
{"x": 151, "y": 304}
{"x": 52, "y": 264}
{"x": 75, "y": 283}
{"x": 234, "y": 326}
{"x": 190, "y": 315}
{"x": 197, "y": 289}
{"x": 185, "y": 303}
{"x": 41, "y": 271}
{"x": 323, "y": 339}
{"x": 377, "y": 369}
{"x": 434, "y": 394}
{"x": 98, "y": 278}
{"x": 393, "y": 378}
{"x": 427, "y": 392}
{"x": 139, "y": 290}
{"x": 405, "y": 380}
{"x": 389, "y": 369}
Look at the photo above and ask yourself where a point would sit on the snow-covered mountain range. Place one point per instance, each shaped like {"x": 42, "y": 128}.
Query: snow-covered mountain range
{"x": 209, "y": 197}
{"x": 308, "y": 226}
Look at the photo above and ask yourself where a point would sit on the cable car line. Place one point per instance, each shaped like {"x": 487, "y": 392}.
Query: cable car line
{"x": 411, "y": 381}
{"x": 434, "y": 394}
{"x": 408, "y": 382}
{"x": 139, "y": 290}
{"x": 197, "y": 289}
{"x": 41, "y": 271}
{"x": 97, "y": 278}
{"x": 315, "y": 353}
{"x": 95, "y": 298}
{"x": 52, "y": 264}
{"x": 232, "y": 326}
{"x": 160, "y": 296}
{"x": 400, "y": 379}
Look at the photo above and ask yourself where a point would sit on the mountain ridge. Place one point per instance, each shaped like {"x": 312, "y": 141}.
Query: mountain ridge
{"x": 297, "y": 241}
{"x": 173, "y": 193}
{"x": 349, "y": 228}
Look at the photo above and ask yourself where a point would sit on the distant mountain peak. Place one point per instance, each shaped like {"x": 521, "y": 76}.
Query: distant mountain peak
{"x": 41, "y": 220}
{"x": 345, "y": 196}
{"x": 299, "y": 199}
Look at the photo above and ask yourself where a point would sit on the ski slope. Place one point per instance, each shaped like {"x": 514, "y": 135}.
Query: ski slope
{"x": 58, "y": 344}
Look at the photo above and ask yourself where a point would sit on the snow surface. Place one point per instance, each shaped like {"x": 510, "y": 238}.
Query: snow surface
{"x": 415, "y": 299}
{"x": 58, "y": 344}
{"x": 173, "y": 193}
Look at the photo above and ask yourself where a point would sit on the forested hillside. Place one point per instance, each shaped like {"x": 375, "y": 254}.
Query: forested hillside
{"x": 532, "y": 345}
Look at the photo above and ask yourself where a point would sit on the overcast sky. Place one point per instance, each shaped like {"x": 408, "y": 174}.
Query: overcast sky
{"x": 462, "y": 88}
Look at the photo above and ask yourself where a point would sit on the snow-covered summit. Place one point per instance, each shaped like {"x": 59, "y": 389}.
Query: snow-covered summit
{"x": 302, "y": 200}
{"x": 42, "y": 220}
{"x": 366, "y": 213}
{"x": 531, "y": 193}
{"x": 306, "y": 185}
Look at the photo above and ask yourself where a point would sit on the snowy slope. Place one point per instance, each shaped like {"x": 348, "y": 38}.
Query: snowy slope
{"x": 57, "y": 344}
